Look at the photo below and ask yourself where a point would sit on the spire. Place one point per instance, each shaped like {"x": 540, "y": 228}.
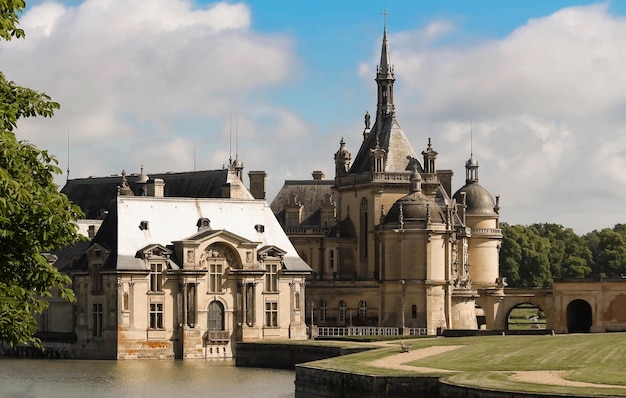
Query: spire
{"x": 385, "y": 78}
{"x": 471, "y": 166}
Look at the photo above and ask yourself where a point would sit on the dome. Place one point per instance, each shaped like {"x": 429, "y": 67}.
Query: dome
{"x": 415, "y": 207}
{"x": 142, "y": 178}
{"x": 477, "y": 199}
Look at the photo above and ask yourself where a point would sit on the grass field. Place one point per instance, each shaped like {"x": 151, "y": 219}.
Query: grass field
{"x": 488, "y": 361}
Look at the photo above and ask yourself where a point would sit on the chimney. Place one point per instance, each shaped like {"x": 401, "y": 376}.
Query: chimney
{"x": 155, "y": 188}
{"x": 318, "y": 175}
{"x": 257, "y": 184}
{"x": 445, "y": 176}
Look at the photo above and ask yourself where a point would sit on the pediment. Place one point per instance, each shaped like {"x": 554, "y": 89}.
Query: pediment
{"x": 153, "y": 250}
{"x": 271, "y": 251}
{"x": 218, "y": 235}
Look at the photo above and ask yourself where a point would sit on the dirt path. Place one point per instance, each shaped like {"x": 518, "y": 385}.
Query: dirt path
{"x": 396, "y": 361}
{"x": 549, "y": 377}
{"x": 555, "y": 378}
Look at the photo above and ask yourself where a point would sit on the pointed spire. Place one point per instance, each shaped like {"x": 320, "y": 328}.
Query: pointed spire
{"x": 415, "y": 181}
{"x": 385, "y": 78}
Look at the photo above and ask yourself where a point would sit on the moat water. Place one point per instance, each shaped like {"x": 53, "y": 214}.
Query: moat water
{"x": 34, "y": 378}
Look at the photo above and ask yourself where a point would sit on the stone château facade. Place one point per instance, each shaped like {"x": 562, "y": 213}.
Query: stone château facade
{"x": 389, "y": 243}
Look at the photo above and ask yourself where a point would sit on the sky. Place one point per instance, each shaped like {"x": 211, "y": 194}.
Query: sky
{"x": 535, "y": 89}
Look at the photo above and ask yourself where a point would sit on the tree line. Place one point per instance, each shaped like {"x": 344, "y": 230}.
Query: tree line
{"x": 536, "y": 255}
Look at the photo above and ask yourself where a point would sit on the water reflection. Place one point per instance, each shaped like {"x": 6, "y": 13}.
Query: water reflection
{"x": 139, "y": 378}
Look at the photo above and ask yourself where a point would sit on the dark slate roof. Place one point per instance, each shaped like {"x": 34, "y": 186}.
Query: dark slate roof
{"x": 391, "y": 138}
{"x": 98, "y": 193}
{"x": 310, "y": 193}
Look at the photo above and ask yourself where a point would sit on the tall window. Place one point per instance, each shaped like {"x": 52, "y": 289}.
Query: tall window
{"x": 97, "y": 320}
{"x": 97, "y": 278}
{"x": 156, "y": 316}
{"x": 362, "y": 311}
{"x": 331, "y": 259}
{"x": 296, "y": 299}
{"x": 156, "y": 277}
{"x": 216, "y": 316}
{"x": 363, "y": 220}
{"x": 271, "y": 314}
{"x": 414, "y": 311}
{"x": 342, "y": 311}
{"x": 43, "y": 322}
{"x": 322, "y": 310}
{"x": 271, "y": 278}
{"x": 215, "y": 277}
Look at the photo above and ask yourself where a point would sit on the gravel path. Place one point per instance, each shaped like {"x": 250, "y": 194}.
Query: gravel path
{"x": 555, "y": 378}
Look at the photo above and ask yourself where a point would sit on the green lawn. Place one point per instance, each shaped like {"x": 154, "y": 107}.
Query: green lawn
{"x": 487, "y": 361}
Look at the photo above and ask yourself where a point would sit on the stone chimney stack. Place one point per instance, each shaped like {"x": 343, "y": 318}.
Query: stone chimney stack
{"x": 257, "y": 184}
{"x": 155, "y": 187}
{"x": 318, "y": 175}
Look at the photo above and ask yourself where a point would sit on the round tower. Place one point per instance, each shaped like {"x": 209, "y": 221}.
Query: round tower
{"x": 481, "y": 215}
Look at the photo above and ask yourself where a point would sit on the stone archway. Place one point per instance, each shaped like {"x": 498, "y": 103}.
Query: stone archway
{"x": 526, "y": 316}
{"x": 579, "y": 316}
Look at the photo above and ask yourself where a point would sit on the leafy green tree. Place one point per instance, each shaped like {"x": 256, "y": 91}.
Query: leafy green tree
{"x": 524, "y": 257}
{"x": 569, "y": 255}
{"x": 34, "y": 217}
{"x": 608, "y": 248}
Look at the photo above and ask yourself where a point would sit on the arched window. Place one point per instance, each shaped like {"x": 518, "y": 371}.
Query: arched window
{"x": 363, "y": 220}
{"x": 296, "y": 298}
{"x": 362, "y": 311}
{"x": 216, "y": 316}
{"x": 342, "y": 311}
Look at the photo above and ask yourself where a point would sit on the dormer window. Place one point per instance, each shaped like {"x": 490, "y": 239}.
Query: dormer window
{"x": 203, "y": 224}
{"x": 143, "y": 225}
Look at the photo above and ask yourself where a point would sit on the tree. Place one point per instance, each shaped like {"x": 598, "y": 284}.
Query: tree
{"x": 569, "y": 255}
{"x": 524, "y": 257}
{"x": 35, "y": 218}
{"x": 608, "y": 248}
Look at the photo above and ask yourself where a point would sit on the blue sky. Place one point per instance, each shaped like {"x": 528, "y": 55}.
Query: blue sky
{"x": 151, "y": 83}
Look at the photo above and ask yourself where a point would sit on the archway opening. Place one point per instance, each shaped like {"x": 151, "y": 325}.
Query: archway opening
{"x": 481, "y": 318}
{"x": 526, "y": 316}
{"x": 578, "y": 316}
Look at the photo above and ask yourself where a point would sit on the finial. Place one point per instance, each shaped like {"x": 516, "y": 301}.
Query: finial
{"x": 401, "y": 217}
{"x": 382, "y": 213}
{"x": 385, "y": 14}
{"x": 430, "y": 146}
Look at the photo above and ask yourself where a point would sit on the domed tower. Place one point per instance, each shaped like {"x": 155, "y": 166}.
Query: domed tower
{"x": 481, "y": 214}
{"x": 415, "y": 264}
{"x": 342, "y": 160}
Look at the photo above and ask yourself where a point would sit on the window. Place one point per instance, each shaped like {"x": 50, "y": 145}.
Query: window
{"x": 414, "y": 311}
{"x": 271, "y": 314}
{"x": 125, "y": 301}
{"x": 216, "y": 316}
{"x": 97, "y": 278}
{"x": 363, "y": 224}
{"x": 156, "y": 316}
{"x": 296, "y": 298}
{"x": 271, "y": 278}
{"x": 322, "y": 310}
{"x": 43, "y": 322}
{"x": 215, "y": 277}
{"x": 97, "y": 320}
{"x": 342, "y": 311}
{"x": 362, "y": 311}
{"x": 331, "y": 256}
{"x": 156, "y": 277}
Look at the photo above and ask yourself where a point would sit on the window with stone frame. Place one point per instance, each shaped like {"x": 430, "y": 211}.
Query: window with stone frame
{"x": 96, "y": 278}
{"x": 156, "y": 316}
{"x": 342, "y": 311}
{"x": 156, "y": 277}
{"x": 271, "y": 277}
{"x": 271, "y": 314}
{"x": 362, "y": 311}
{"x": 322, "y": 311}
{"x": 216, "y": 272}
{"x": 97, "y": 314}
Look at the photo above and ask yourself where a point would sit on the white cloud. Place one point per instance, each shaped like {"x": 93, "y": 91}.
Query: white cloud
{"x": 146, "y": 81}
{"x": 546, "y": 102}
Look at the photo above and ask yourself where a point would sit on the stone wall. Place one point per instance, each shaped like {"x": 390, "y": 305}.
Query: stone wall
{"x": 313, "y": 382}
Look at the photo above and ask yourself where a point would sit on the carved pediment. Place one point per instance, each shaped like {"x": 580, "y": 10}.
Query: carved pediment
{"x": 153, "y": 251}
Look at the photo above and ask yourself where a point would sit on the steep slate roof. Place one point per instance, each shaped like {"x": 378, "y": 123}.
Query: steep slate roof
{"x": 310, "y": 193}
{"x": 96, "y": 193}
{"x": 400, "y": 154}
{"x": 174, "y": 219}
